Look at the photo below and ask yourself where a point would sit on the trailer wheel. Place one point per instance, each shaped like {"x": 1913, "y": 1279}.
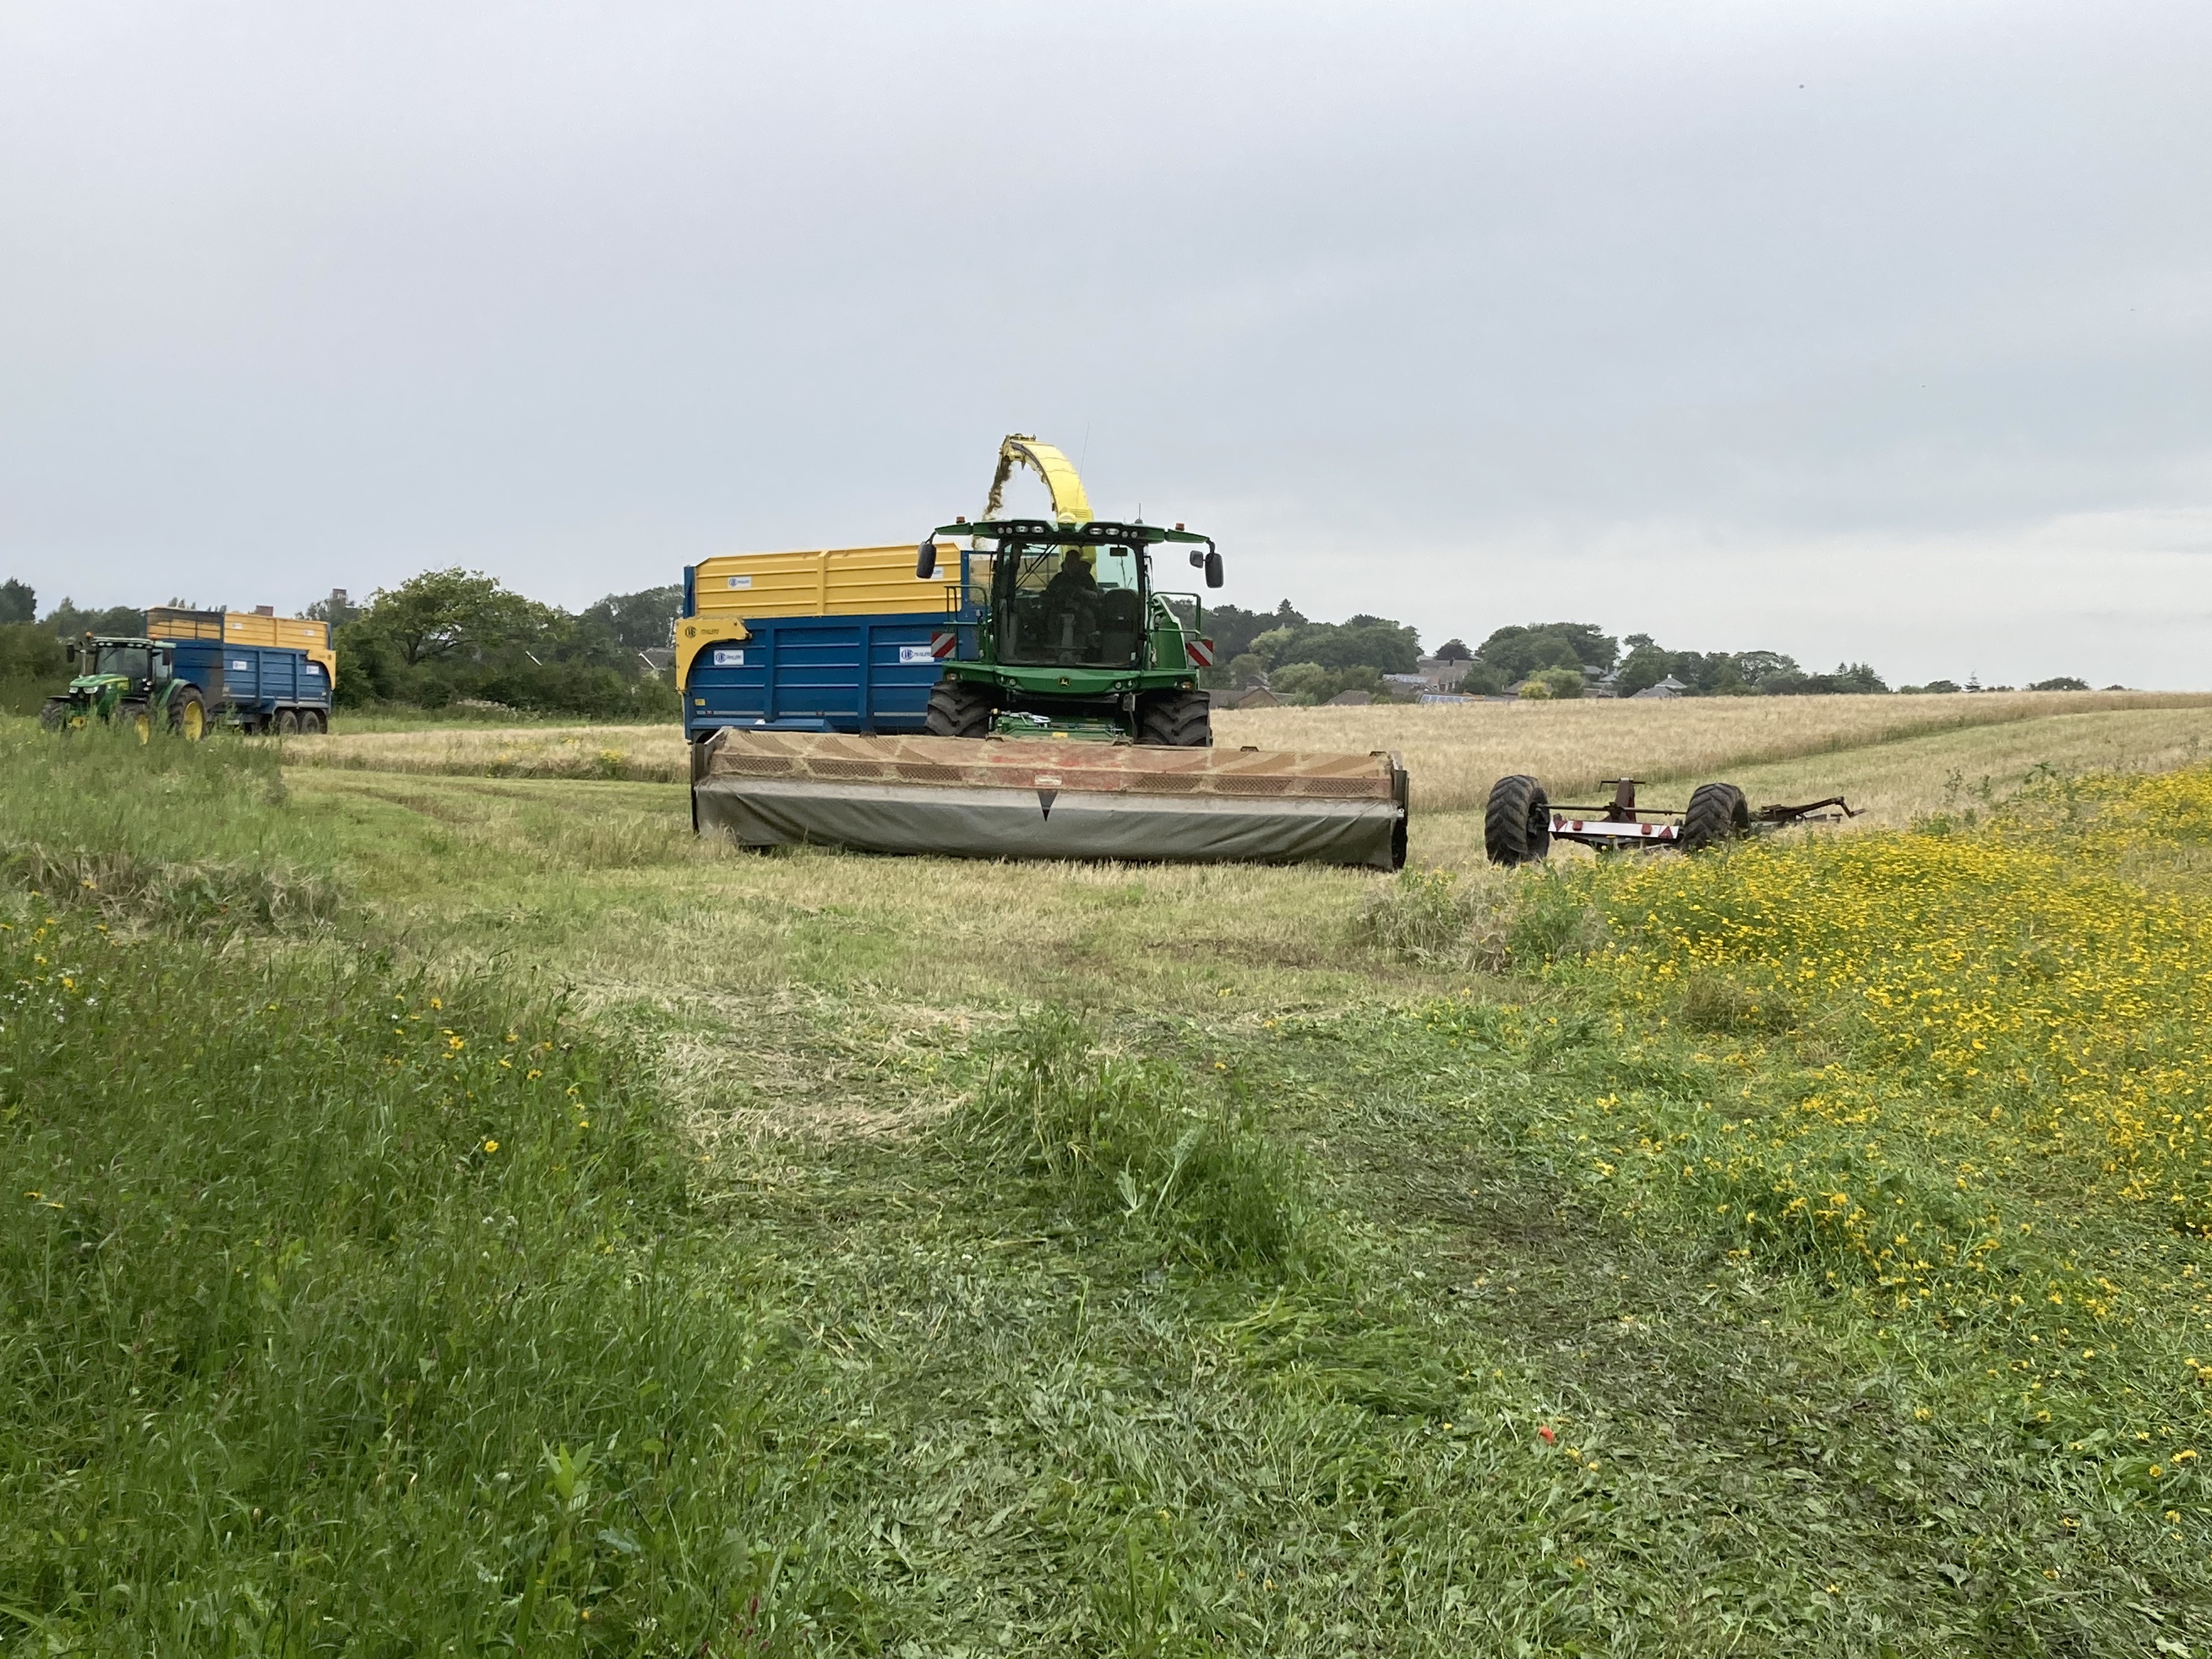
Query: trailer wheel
{"x": 958, "y": 709}
{"x": 1176, "y": 720}
{"x": 286, "y": 725}
{"x": 1516, "y": 826}
{"x": 1717, "y": 814}
{"x": 311, "y": 723}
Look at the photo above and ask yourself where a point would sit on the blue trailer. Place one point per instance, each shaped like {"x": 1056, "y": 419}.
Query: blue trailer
{"x": 840, "y": 640}
{"x": 258, "y": 671}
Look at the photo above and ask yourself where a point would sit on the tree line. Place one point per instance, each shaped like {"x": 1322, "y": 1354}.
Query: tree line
{"x": 445, "y": 637}
{"x": 449, "y": 637}
{"x": 1305, "y": 661}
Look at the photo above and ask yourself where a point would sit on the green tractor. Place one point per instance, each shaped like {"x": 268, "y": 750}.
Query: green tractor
{"x": 1062, "y": 633}
{"x": 127, "y": 682}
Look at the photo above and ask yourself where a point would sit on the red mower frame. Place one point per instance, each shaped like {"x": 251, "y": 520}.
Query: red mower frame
{"x": 1520, "y": 823}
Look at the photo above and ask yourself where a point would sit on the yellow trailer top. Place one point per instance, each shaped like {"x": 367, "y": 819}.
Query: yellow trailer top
{"x": 301, "y": 634}
{"x": 829, "y": 581}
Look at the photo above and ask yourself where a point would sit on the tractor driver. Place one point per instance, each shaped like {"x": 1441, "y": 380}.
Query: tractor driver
{"x": 1071, "y": 604}
{"x": 1072, "y": 578}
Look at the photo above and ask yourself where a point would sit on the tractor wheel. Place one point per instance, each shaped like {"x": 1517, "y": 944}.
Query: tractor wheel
{"x": 1516, "y": 824}
{"x": 286, "y": 725}
{"x": 1717, "y": 814}
{"x": 54, "y": 714}
{"x": 188, "y": 716}
{"x": 137, "y": 717}
{"x": 1176, "y": 720}
{"x": 311, "y": 723}
{"x": 958, "y": 709}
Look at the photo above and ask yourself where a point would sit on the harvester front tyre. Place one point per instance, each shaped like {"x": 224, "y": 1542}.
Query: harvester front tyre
{"x": 1176, "y": 720}
{"x": 1717, "y": 814}
{"x": 957, "y": 709}
{"x": 1516, "y": 824}
{"x": 188, "y": 716}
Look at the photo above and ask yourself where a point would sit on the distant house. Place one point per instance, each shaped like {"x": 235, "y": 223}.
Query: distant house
{"x": 1439, "y": 673}
{"x": 1258, "y": 698}
{"x": 1447, "y": 697}
{"x": 1351, "y": 699}
{"x": 1669, "y": 687}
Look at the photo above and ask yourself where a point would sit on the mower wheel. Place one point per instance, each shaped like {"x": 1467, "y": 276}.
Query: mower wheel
{"x": 1717, "y": 814}
{"x": 1176, "y": 720}
{"x": 957, "y": 709}
{"x": 1516, "y": 826}
{"x": 188, "y": 716}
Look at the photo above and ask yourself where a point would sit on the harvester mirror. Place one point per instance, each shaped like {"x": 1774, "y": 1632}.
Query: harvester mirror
{"x": 1214, "y": 567}
{"x": 925, "y": 559}
{"x": 1197, "y": 558}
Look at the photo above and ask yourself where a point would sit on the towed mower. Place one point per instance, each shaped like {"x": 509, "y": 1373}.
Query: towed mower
{"x": 1520, "y": 822}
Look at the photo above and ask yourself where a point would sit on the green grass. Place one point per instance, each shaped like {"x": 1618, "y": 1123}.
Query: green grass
{"x": 958, "y": 1258}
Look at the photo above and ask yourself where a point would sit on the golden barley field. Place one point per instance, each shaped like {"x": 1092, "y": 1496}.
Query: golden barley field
{"x": 1456, "y": 751}
{"x": 1902, "y": 749}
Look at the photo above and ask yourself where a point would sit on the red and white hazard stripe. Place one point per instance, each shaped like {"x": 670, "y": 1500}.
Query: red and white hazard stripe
{"x": 1200, "y": 651}
{"x": 942, "y": 645}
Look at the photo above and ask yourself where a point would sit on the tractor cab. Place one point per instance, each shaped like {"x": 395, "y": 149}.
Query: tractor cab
{"x": 126, "y": 667}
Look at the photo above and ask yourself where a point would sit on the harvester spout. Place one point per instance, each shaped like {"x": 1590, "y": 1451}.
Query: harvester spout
{"x": 1069, "y": 504}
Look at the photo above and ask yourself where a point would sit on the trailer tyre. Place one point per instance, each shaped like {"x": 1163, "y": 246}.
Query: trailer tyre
{"x": 1176, "y": 720}
{"x": 958, "y": 709}
{"x": 286, "y": 725}
{"x": 1717, "y": 814}
{"x": 311, "y": 723}
{"x": 1516, "y": 826}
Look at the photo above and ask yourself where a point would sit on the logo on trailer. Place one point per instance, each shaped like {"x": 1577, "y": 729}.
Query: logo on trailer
{"x": 1200, "y": 651}
{"x": 916, "y": 653}
{"x": 942, "y": 645}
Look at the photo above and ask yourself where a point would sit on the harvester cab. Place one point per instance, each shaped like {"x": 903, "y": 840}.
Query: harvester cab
{"x": 1073, "y": 635}
{"x": 126, "y": 680}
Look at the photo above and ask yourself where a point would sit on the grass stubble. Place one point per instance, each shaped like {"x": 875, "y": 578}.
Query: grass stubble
{"x": 562, "y": 1236}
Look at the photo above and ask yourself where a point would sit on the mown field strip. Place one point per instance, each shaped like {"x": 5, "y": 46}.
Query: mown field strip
{"x": 1454, "y": 752}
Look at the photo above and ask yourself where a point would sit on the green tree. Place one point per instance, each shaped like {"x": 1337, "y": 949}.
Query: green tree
{"x": 19, "y": 602}
{"x": 1304, "y": 682}
{"x": 446, "y": 614}
{"x": 639, "y": 622}
{"x": 67, "y": 621}
{"x": 1518, "y": 651}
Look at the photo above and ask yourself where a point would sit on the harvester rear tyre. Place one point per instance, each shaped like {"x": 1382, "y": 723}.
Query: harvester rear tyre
{"x": 958, "y": 709}
{"x": 188, "y": 716}
{"x": 1717, "y": 814}
{"x": 1176, "y": 720}
{"x": 1516, "y": 824}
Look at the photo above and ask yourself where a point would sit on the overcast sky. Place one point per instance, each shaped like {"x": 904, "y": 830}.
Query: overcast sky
{"x": 1862, "y": 330}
